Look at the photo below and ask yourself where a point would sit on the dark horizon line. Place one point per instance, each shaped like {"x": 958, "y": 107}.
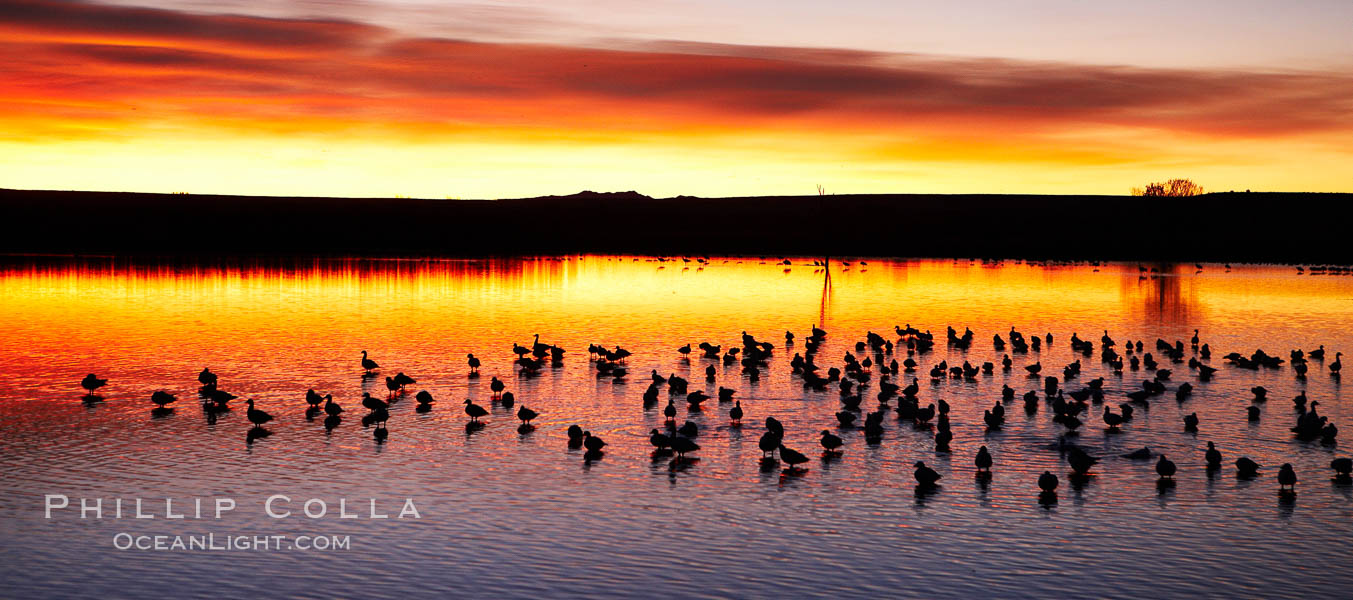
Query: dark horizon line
{"x": 1220, "y": 227}
{"x": 636, "y": 194}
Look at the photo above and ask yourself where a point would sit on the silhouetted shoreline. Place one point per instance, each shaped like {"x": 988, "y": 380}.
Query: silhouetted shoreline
{"x": 1235, "y": 227}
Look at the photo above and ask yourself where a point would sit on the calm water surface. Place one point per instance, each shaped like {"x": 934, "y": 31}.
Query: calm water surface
{"x": 512, "y": 515}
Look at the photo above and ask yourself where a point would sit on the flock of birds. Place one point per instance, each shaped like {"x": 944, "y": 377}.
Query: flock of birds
{"x": 855, "y": 379}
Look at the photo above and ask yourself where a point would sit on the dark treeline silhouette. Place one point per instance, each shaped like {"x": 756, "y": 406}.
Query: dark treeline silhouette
{"x": 1257, "y": 227}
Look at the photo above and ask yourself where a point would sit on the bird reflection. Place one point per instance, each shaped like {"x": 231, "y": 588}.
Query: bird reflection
{"x": 1287, "y": 503}
{"x": 256, "y": 433}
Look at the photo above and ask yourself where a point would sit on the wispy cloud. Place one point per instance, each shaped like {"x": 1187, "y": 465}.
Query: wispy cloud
{"x": 164, "y": 63}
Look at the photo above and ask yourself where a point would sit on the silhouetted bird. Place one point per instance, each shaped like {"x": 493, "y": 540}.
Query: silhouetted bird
{"x": 474, "y": 363}
{"x": 1287, "y": 478}
{"x": 682, "y": 445}
{"x": 1342, "y": 467}
{"x": 659, "y": 441}
{"x": 592, "y": 442}
{"x": 373, "y": 403}
{"x": 1246, "y": 467}
{"x": 1213, "y": 456}
{"x": 367, "y": 364}
{"x": 161, "y": 398}
{"x": 1141, "y": 454}
{"x": 206, "y": 377}
{"x": 1112, "y": 420}
{"x": 689, "y": 429}
{"x": 1165, "y": 467}
{"x": 256, "y": 416}
{"x": 474, "y": 410}
{"x": 1047, "y": 482}
{"x": 774, "y": 425}
{"x": 792, "y": 457}
{"x": 735, "y": 413}
{"x": 694, "y": 399}
{"x": 1191, "y": 422}
{"x": 378, "y": 417}
{"x": 331, "y": 408}
{"x": 91, "y": 383}
{"x": 942, "y": 439}
{"x": 983, "y": 460}
{"x": 1080, "y": 462}
{"x": 769, "y": 443}
{"x": 845, "y": 418}
{"x": 526, "y": 414}
{"x": 575, "y": 436}
{"x": 925, "y": 476}
{"x": 831, "y": 443}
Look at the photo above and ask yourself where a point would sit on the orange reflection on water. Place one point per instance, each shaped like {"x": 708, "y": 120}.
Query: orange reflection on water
{"x": 304, "y": 318}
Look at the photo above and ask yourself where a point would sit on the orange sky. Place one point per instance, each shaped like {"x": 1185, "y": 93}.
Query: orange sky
{"x": 107, "y": 97}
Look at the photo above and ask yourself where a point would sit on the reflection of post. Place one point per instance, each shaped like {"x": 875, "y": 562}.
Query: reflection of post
{"x": 1160, "y": 291}
{"x": 826, "y": 291}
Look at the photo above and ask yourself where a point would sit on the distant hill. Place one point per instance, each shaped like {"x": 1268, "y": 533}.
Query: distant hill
{"x": 591, "y": 195}
{"x": 1256, "y": 227}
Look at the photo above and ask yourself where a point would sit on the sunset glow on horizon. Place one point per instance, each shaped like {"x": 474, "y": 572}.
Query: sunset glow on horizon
{"x": 385, "y": 99}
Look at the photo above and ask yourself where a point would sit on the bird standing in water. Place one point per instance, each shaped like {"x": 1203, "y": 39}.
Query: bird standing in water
{"x": 769, "y": 443}
{"x": 1165, "y": 468}
{"x": 474, "y": 410}
{"x": 831, "y": 443}
{"x": 792, "y": 457}
{"x": 331, "y": 408}
{"x": 659, "y": 440}
{"x": 526, "y": 414}
{"x": 161, "y": 398}
{"x": 91, "y": 383}
{"x": 983, "y": 461}
{"x": 681, "y": 445}
{"x": 256, "y": 416}
{"x": 1287, "y": 478}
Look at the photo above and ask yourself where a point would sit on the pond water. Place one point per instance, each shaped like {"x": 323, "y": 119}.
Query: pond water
{"x": 509, "y": 514}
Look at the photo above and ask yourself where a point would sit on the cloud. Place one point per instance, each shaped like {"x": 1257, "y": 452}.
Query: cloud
{"x": 57, "y": 18}
{"x": 72, "y": 60}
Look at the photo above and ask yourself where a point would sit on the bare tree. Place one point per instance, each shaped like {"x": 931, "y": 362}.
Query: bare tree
{"x": 1174, "y": 188}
